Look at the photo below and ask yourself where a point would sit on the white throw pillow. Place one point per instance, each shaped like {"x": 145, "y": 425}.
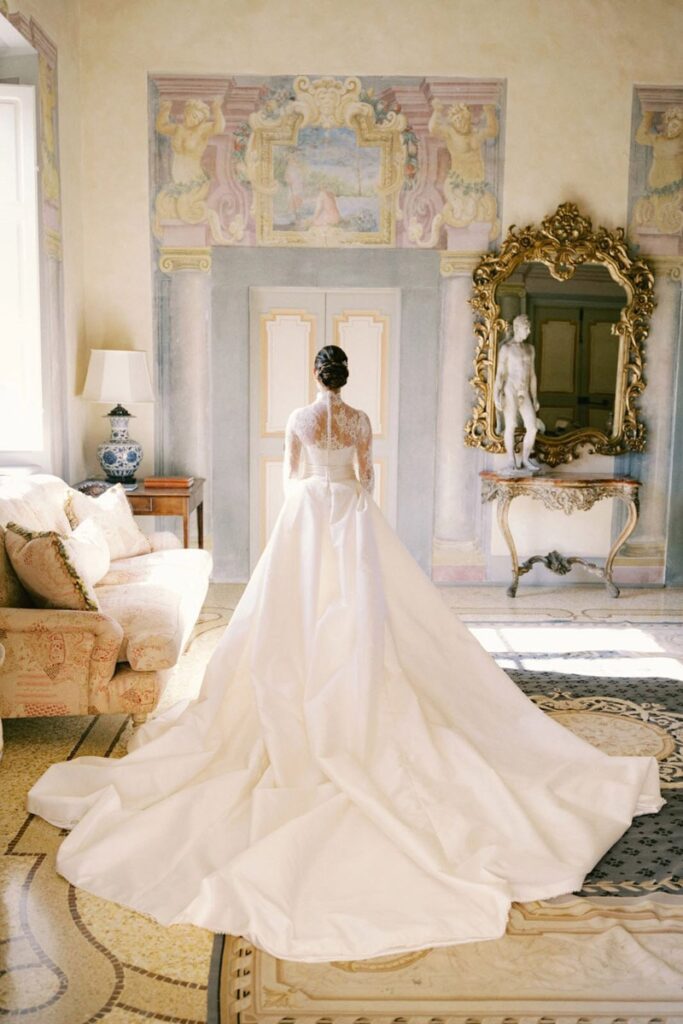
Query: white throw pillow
{"x": 89, "y": 550}
{"x": 112, "y": 513}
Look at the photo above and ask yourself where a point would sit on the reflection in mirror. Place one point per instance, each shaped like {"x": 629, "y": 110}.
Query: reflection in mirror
{"x": 589, "y": 303}
{"x": 577, "y": 351}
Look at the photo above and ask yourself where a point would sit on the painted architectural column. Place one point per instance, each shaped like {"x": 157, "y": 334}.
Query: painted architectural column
{"x": 512, "y": 299}
{"x": 674, "y": 552}
{"x": 658, "y": 412}
{"x": 54, "y": 353}
{"x": 457, "y": 555}
{"x": 184, "y": 420}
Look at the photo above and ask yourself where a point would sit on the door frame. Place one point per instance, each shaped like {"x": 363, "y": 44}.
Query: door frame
{"x": 262, "y": 450}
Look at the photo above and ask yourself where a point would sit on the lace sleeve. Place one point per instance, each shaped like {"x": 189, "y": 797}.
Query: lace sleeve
{"x": 290, "y": 467}
{"x": 366, "y": 471}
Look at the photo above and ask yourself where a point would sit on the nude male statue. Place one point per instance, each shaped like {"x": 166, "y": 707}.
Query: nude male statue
{"x": 514, "y": 392}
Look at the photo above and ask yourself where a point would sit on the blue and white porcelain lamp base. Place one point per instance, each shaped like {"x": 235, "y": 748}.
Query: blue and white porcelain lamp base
{"x": 120, "y": 456}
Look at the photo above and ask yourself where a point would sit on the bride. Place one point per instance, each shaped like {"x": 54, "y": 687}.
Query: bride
{"x": 357, "y": 777}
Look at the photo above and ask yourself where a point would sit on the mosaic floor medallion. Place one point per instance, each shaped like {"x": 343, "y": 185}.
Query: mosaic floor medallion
{"x": 624, "y": 728}
{"x": 617, "y": 734}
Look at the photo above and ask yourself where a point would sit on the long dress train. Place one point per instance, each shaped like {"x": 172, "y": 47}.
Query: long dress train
{"x": 357, "y": 777}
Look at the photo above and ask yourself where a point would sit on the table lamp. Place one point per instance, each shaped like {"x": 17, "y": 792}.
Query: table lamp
{"x": 119, "y": 376}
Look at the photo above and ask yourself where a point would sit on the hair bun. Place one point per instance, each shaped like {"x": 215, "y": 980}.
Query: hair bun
{"x": 333, "y": 375}
{"x": 332, "y": 368}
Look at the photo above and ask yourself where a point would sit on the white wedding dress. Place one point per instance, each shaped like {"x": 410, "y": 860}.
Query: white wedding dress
{"x": 357, "y": 777}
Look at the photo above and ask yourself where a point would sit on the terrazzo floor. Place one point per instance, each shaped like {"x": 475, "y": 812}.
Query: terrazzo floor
{"x": 69, "y": 958}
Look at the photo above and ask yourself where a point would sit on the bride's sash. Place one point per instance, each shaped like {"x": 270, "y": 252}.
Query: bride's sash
{"x": 331, "y": 473}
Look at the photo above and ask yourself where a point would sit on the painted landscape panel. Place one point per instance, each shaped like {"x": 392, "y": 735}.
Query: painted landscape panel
{"x": 326, "y": 180}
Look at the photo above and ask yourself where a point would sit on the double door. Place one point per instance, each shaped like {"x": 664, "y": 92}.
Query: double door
{"x": 287, "y": 327}
{"x": 577, "y": 365}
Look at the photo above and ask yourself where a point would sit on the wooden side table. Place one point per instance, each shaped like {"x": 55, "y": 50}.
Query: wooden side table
{"x": 570, "y": 494}
{"x": 172, "y": 501}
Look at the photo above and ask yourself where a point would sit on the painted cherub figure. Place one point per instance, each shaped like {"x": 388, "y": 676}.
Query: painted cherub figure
{"x": 48, "y": 104}
{"x": 185, "y": 196}
{"x": 662, "y": 207}
{"x": 468, "y": 196}
{"x": 515, "y": 392}
{"x": 463, "y": 140}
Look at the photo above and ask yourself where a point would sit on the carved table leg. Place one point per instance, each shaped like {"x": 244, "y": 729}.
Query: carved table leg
{"x": 503, "y": 508}
{"x": 631, "y": 502}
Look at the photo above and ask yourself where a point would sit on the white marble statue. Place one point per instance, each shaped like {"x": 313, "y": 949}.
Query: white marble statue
{"x": 514, "y": 392}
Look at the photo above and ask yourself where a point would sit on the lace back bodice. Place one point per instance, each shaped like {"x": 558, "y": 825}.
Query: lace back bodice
{"x": 329, "y": 433}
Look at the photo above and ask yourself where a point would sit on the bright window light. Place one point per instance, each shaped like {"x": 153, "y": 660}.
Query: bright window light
{"x": 21, "y": 391}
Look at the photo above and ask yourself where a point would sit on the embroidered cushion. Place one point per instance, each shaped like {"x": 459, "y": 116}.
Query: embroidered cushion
{"x": 112, "y": 512}
{"x": 37, "y": 502}
{"x": 12, "y": 594}
{"x": 47, "y": 569}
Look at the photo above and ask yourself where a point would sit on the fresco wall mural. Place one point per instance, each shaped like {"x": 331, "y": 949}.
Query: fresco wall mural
{"x": 246, "y": 170}
{"x": 655, "y": 230}
{"x": 656, "y": 179}
{"x": 248, "y": 176}
{"x": 327, "y": 162}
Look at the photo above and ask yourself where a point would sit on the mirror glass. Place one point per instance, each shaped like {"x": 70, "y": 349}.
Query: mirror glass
{"x": 578, "y": 355}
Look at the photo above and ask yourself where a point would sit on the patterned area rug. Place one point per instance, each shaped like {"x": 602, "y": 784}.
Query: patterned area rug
{"x": 612, "y": 953}
{"x": 627, "y": 716}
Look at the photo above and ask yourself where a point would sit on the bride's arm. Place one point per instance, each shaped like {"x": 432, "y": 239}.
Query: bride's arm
{"x": 290, "y": 466}
{"x": 366, "y": 470}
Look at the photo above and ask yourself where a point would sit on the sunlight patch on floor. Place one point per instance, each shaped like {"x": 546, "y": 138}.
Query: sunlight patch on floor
{"x": 565, "y": 639}
{"x": 625, "y": 668}
{"x": 631, "y": 652}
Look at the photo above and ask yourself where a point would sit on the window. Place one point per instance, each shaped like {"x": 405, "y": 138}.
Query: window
{"x": 21, "y": 390}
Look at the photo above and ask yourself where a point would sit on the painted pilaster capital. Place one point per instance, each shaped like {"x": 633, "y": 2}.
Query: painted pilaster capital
{"x": 172, "y": 259}
{"x": 518, "y": 290}
{"x": 667, "y": 266}
{"x": 458, "y": 264}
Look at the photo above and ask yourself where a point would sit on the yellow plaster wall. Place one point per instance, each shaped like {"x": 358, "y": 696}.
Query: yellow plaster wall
{"x": 570, "y": 67}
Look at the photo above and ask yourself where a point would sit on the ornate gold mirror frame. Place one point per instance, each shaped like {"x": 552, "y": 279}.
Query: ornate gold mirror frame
{"x": 564, "y": 241}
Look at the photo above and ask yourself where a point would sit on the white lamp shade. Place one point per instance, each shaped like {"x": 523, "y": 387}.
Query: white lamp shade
{"x": 117, "y": 376}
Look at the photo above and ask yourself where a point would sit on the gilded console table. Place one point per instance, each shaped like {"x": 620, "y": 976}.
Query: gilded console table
{"x": 569, "y": 494}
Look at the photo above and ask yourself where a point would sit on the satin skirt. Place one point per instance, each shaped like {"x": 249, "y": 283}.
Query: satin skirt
{"x": 357, "y": 777}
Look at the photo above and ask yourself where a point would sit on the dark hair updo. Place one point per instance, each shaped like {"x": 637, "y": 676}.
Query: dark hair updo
{"x": 332, "y": 367}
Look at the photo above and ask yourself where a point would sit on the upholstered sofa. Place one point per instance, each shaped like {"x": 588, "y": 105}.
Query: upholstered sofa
{"x": 116, "y": 657}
